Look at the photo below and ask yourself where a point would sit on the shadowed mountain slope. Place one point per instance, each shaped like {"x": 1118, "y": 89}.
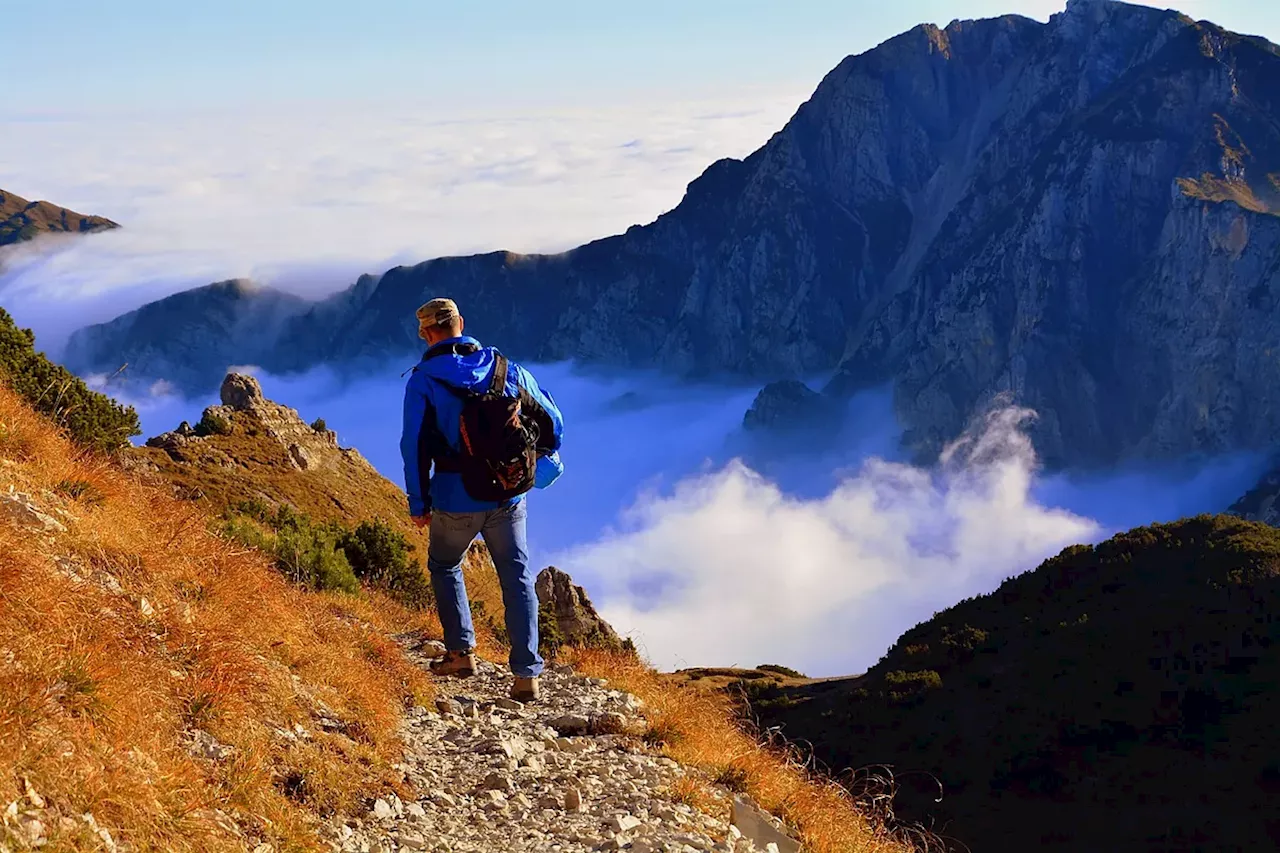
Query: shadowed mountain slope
{"x": 1118, "y": 697}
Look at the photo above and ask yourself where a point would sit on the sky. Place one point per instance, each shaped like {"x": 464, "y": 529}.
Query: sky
{"x": 148, "y": 55}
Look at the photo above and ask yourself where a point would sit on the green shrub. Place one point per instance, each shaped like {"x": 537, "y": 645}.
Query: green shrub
{"x": 305, "y": 553}
{"x": 211, "y": 424}
{"x": 910, "y": 686}
{"x": 381, "y": 556}
{"x": 91, "y": 419}
{"x": 81, "y": 491}
{"x": 779, "y": 669}
{"x": 310, "y": 557}
{"x": 319, "y": 425}
{"x": 550, "y": 638}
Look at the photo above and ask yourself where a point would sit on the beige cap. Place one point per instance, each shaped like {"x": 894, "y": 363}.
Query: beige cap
{"x": 438, "y": 312}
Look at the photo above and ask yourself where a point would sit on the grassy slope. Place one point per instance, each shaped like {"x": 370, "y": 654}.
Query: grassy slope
{"x": 104, "y": 687}
{"x": 1133, "y": 679}
{"x": 99, "y": 687}
{"x": 223, "y": 471}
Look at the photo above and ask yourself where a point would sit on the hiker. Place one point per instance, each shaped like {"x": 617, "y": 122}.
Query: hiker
{"x": 491, "y": 434}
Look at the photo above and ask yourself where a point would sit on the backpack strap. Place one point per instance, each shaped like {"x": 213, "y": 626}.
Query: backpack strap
{"x": 498, "y": 385}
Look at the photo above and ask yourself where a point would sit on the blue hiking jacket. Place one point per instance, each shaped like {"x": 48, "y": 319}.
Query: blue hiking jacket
{"x": 431, "y": 415}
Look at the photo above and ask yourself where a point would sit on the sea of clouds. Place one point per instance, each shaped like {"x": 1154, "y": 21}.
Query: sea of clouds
{"x": 708, "y": 545}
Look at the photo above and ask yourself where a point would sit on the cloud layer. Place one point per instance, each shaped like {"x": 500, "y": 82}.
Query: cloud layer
{"x": 728, "y": 569}
{"x": 310, "y": 198}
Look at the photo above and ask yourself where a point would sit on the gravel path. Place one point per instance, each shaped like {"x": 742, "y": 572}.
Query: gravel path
{"x": 495, "y": 775}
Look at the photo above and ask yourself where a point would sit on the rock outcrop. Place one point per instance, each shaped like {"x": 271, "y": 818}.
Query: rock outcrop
{"x": 22, "y": 220}
{"x": 243, "y": 402}
{"x": 1262, "y": 502}
{"x": 790, "y": 406}
{"x": 1080, "y": 214}
{"x": 574, "y": 616}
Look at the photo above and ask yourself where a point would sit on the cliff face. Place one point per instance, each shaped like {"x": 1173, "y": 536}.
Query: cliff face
{"x": 1082, "y": 213}
{"x": 25, "y": 220}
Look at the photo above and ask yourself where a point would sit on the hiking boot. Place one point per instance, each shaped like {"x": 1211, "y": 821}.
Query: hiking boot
{"x": 525, "y": 690}
{"x": 457, "y": 664}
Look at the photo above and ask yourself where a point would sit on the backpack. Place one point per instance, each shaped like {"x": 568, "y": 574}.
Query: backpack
{"x": 497, "y": 437}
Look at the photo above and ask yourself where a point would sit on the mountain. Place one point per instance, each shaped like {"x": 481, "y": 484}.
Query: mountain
{"x": 1118, "y": 697}
{"x": 191, "y": 338}
{"x": 25, "y": 220}
{"x": 1081, "y": 214}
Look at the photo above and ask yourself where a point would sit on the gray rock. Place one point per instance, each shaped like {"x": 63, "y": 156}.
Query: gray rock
{"x": 449, "y": 707}
{"x": 21, "y": 509}
{"x": 575, "y": 615}
{"x": 571, "y": 724}
{"x": 382, "y": 809}
{"x": 760, "y": 828}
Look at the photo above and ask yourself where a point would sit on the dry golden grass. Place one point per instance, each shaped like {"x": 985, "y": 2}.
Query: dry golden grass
{"x": 98, "y": 687}
{"x": 343, "y": 492}
{"x": 699, "y": 728}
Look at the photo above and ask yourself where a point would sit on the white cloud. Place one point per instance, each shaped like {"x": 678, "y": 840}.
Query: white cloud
{"x": 730, "y": 570}
{"x": 310, "y": 198}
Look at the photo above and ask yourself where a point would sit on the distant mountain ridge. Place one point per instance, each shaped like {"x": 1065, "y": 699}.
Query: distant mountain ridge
{"x": 22, "y": 220}
{"x": 1081, "y": 214}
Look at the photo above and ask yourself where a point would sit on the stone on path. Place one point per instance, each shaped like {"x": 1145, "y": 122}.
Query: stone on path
{"x": 760, "y": 828}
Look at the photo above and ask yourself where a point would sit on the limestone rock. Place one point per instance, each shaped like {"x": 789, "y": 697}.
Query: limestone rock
{"x": 575, "y": 616}
{"x": 760, "y": 828}
{"x": 241, "y": 392}
{"x": 23, "y": 510}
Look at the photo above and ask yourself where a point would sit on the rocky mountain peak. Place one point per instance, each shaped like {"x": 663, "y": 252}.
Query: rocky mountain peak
{"x": 574, "y": 615}
{"x": 242, "y": 392}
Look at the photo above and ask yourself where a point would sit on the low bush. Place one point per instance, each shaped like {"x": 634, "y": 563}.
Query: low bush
{"x": 211, "y": 424}
{"x": 91, "y": 419}
{"x": 380, "y": 555}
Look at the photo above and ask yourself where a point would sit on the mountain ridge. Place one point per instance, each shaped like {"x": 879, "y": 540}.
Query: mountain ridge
{"x": 998, "y": 207}
{"x": 22, "y": 220}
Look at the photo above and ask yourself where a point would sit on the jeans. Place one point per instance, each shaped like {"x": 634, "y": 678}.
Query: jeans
{"x": 504, "y": 532}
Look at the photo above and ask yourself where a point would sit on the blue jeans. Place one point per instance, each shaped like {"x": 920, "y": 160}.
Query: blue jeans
{"x": 504, "y": 532}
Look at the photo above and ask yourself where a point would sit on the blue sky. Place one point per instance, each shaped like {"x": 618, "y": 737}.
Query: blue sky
{"x": 144, "y": 55}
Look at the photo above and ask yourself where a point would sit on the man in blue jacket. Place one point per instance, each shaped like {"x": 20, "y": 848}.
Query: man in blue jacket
{"x": 433, "y": 408}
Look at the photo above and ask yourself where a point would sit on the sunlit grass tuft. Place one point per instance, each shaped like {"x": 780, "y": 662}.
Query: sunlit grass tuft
{"x": 700, "y": 729}
{"x": 136, "y": 626}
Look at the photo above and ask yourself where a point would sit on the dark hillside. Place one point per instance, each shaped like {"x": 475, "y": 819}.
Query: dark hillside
{"x": 1118, "y": 697}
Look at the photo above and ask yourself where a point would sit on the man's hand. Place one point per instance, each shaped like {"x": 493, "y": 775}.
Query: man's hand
{"x": 422, "y": 521}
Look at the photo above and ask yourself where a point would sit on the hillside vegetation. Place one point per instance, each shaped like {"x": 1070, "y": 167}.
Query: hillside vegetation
{"x": 93, "y": 420}
{"x": 1118, "y": 697}
{"x": 164, "y": 686}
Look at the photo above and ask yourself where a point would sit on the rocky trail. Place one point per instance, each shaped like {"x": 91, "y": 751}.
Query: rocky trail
{"x": 568, "y": 773}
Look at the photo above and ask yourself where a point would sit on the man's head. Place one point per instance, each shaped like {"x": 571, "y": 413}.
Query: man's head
{"x": 439, "y": 320}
